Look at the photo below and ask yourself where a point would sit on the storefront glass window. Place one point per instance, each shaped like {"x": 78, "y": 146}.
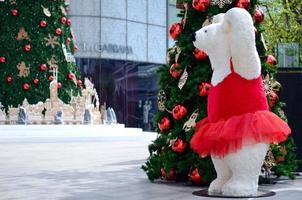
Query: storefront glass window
{"x": 130, "y": 88}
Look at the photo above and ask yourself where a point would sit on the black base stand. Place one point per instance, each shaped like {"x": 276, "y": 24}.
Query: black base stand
{"x": 260, "y": 193}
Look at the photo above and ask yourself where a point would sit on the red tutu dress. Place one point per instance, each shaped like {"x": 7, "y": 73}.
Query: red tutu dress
{"x": 238, "y": 115}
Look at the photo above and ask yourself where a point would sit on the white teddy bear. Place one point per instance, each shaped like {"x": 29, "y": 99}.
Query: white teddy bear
{"x": 239, "y": 126}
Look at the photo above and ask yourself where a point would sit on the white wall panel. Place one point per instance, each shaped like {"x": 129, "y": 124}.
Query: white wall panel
{"x": 137, "y": 41}
{"x": 113, "y": 32}
{"x": 156, "y": 44}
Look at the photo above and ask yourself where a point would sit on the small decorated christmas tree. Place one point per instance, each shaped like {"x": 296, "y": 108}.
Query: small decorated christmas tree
{"x": 35, "y": 39}
{"x": 182, "y": 100}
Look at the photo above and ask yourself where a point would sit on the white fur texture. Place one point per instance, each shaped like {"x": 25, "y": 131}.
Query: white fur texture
{"x": 237, "y": 173}
{"x": 232, "y": 36}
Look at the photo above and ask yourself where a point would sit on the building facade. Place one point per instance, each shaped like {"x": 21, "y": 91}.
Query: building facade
{"x": 121, "y": 44}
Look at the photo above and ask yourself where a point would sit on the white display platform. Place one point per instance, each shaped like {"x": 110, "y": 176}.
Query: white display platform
{"x": 9, "y": 133}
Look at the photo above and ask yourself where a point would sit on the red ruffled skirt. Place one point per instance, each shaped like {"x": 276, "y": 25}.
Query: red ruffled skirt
{"x": 229, "y": 135}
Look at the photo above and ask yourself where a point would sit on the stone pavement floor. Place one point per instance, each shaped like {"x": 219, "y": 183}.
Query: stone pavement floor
{"x": 93, "y": 169}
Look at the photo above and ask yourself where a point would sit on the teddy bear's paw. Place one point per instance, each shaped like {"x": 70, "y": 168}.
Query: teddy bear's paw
{"x": 239, "y": 188}
{"x": 216, "y": 186}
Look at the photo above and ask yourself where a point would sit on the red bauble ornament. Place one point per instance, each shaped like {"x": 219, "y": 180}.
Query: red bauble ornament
{"x": 243, "y": 4}
{"x": 70, "y": 75}
{"x": 68, "y": 41}
{"x": 179, "y": 112}
{"x": 271, "y": 60}
{"x": 201, "y": 5}
{"x": 273, "y": 99}
{"x": 43, "y": 67}
{"x": 175, "y": 30}
{"x": 43, "y": 23}
{"x": 164, "y": 124}
{"x": 75, "y": 47}
{"x": 9, "y": 79}
{"x": 258, "y": 15}
{"x": 179, "y": 146}
{"x": 175, "y": 73}
{"x": 199, "y": 54}
{"x": 36, "y": 81}
{"x": 27, "y": 47}
{"x": 68, "y": 22}
{"x": 171, "y": 175}
{"x": 58, "y": 31}
{"x": 14, "y": 12}
{"x": 79, "y": 83}
{"x": 2, "y": 59}
{"x": 59, "y": 85}
{"x": 204, "y": 89}
{"x": 63, "y": 20}
{"x": 50, "y": 78}
{"x": 195, "y": 177}
{"x": 25, "y": 86}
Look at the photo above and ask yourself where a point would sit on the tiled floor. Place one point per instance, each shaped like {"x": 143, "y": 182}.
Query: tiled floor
{"x": 92, "y": 168}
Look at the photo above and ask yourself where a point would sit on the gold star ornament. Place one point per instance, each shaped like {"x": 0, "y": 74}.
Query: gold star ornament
{"x": 23, "y": 70}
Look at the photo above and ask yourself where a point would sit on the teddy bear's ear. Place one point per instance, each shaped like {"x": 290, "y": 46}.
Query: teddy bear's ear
{"x": 218, "y": 18}
{"x": 226, "y": 26}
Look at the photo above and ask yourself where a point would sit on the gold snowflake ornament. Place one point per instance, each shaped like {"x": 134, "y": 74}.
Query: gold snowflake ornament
{"x": 51, "y": 41}
{"x": 221, "y": 3}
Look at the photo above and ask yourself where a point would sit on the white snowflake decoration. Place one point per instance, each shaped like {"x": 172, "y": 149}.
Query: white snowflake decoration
{"x": 221, "y": 3}
{"x": 267, "y": 82}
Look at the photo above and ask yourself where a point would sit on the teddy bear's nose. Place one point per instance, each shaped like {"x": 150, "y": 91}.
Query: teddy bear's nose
{"x": 193, "y": 37}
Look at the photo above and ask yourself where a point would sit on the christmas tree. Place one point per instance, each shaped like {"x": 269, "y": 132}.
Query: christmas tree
{"x": 36, "y": 39}
{"x": 182, "y": 100}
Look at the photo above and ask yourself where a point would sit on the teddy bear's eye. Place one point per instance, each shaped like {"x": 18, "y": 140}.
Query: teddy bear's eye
{"x": 205, "y": 31}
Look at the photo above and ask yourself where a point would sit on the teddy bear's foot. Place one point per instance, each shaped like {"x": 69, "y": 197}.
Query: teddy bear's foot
{"x": 223, "y": 175}
{"x": 237, "y": 186}
{"x": 216, "y": 186}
